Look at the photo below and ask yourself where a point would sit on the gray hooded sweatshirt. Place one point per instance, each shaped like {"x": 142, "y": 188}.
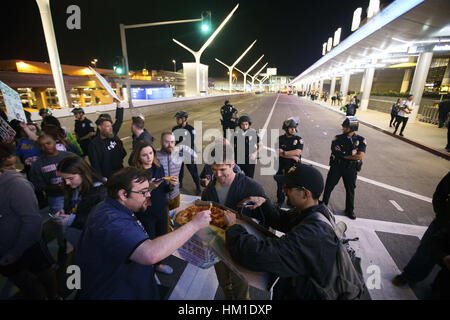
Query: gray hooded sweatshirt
{"x": 20, "y": 221}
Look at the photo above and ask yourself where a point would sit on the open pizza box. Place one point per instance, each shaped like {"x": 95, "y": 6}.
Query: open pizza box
{"x": 207, "y": 247}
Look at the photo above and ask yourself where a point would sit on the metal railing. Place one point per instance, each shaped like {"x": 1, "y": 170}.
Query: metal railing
{"x": 428, "y": 114}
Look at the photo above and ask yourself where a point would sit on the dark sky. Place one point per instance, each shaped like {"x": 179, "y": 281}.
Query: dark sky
{"x": 290, "y": 33}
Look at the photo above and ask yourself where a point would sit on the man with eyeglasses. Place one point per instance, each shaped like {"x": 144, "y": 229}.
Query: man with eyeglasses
{"x": 115, "y": 254}
{"x": 307, "y": 250}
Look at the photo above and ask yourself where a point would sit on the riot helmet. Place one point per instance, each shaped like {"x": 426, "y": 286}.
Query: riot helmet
{"x": 352, "y": 123}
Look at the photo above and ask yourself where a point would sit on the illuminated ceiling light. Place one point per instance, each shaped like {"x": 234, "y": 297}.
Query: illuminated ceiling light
{"x": 403, "y": 65}
{"x": 373, "y": 9}
{"x": 399, "y": 40}
{"x": 442, "y": 48}
{"x": 324, "y": 48}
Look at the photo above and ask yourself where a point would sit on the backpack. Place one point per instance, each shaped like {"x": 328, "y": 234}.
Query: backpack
{"x": 346, "y": 281}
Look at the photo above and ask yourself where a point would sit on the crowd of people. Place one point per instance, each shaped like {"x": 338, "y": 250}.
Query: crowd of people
{"x": 117, "y": 217}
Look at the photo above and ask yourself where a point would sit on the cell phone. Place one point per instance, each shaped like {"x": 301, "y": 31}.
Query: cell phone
{"x": 52, "y": 213}
{"x": 250, "y": 203}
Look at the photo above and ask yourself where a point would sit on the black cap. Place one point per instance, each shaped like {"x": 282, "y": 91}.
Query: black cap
{"x": 181, "y": 114}
{"x": 244, "y": 119}
{"x": 302, "y": 175}
{"x": 103, "y": 117}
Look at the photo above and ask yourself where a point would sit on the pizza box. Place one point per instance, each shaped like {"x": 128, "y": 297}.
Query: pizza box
{"x": 208, "y": 246}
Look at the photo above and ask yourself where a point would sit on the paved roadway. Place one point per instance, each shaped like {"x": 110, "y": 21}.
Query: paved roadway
{"x": 394, "y": 189}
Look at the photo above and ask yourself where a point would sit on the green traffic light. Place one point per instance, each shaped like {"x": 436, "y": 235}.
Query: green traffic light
{"x": 205, "y": 27}
{"x": 119, "y": 70}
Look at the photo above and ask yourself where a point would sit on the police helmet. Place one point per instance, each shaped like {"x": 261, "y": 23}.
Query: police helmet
{"x": 181, "y": 114}
{"x": 244, "y": 119}
{"x": 43, "y": 111}
{"x": 77, "y": 110}
{"x": 289, "y": 123}
{"x": 227, "y": 102}
{"x": 352, "y": 123}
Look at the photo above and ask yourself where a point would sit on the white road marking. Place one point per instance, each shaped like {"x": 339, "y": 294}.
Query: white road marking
{"x": 376, "y": 183}
{"x": 268, "y": 118}
{"x": 317, "y": 126}
{"x": 396, "y": 205}
{"x": 325, "y": 133}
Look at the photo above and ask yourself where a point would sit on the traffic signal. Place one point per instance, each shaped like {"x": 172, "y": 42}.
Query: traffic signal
{"x": 206, "y": 21}
{"x": 118, "y": 66}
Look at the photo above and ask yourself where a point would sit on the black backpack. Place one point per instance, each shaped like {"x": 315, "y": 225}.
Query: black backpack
{"x": 346, "y": 281}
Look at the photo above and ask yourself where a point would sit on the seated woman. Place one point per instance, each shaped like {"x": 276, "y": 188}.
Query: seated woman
{"x": 154, "y": 219}
{"x": 83, "y": 190}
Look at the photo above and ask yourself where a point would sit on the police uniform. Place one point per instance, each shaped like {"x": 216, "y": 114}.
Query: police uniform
{"x": 245, "y": 144}
{"x": 192, "y": 167}
{"x": 82, "y": 128}
{"x": 343, "y": 145}
{"x": 286, "y": 143}
{"x": 227, "y": 111}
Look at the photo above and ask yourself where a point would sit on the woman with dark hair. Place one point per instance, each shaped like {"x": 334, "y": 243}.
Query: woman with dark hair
{"x": 83, "y": 189}
{"x": 62, "y": 144}
{"x": 154, "y": 219}
{"x": 66, "y": 133}
{"x": 394, "y": 112}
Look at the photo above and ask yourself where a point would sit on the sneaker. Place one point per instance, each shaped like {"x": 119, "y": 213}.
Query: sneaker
{"x": 399, "y": 281}
{"x": 164, "y": 268}
{"x": 401, "y": 134}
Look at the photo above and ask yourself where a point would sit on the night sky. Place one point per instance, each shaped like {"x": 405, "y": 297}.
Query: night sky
{"x": 290, "y": 33}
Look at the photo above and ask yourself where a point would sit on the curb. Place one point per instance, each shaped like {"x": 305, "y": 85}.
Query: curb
{"x": 432, "y": 150}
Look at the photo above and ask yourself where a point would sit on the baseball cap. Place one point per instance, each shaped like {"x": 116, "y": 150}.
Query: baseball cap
{"x": 302, "y": 175}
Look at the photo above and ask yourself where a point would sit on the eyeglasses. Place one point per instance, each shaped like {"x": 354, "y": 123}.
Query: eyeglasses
{"x": 142, "y": 192}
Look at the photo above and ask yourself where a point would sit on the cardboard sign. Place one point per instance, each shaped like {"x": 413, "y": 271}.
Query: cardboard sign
{"x": 106, "y": 85}
{"x": 7, "y": 133}
{"x": 12, "y": 103}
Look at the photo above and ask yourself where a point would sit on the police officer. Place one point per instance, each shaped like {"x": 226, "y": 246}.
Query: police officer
{"x": 246, "y": 146}
{"x": 290, "y": 148}
{"x": 84, "y": 130}
{"x": 181, "y": 117}
{"x": 347, "y": 151}
{"x": 229, "y": 114}
{"x": 44, "y": 112}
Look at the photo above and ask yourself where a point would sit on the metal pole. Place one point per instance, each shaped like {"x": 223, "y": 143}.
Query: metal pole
{"x": 125, "y": 57}
{"x": 52, "y": 48}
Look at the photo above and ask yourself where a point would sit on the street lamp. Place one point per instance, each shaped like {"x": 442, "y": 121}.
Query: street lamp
{"x": 256, "y": 74}
{"x": 197, "y": 54}
{"x": 124, "y": 44}
{"x": 174, "y": 65}
{"x": 94, "y": 62}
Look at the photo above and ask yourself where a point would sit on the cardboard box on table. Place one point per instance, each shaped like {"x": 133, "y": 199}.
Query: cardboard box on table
{"x": 207, "y": 247}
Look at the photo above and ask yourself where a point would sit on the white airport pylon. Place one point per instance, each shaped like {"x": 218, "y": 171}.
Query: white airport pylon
{"x": 197, "y": 54}
{"x": 256, "y": 74}
{"x": 250, "y": 69}
{"x": 230, "y": 68}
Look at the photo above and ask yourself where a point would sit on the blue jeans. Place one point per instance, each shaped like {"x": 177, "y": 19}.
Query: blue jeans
{"x": 57, "y": 203}
{"x": 421, "y": 263}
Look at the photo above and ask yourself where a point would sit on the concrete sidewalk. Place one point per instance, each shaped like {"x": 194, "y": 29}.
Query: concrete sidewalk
{"x": 423, "y": 135}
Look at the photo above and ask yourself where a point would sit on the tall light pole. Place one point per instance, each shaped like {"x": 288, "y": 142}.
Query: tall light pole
{"x": 230, "y": 68}
{"x": 174, "y": 65}
{"x": 256, "y": 74}
{"x": 124, "y": 45}
{"x": 197, "y": 54}
{"x": 246, "y": 73}
{"x": 52, "y": 48}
